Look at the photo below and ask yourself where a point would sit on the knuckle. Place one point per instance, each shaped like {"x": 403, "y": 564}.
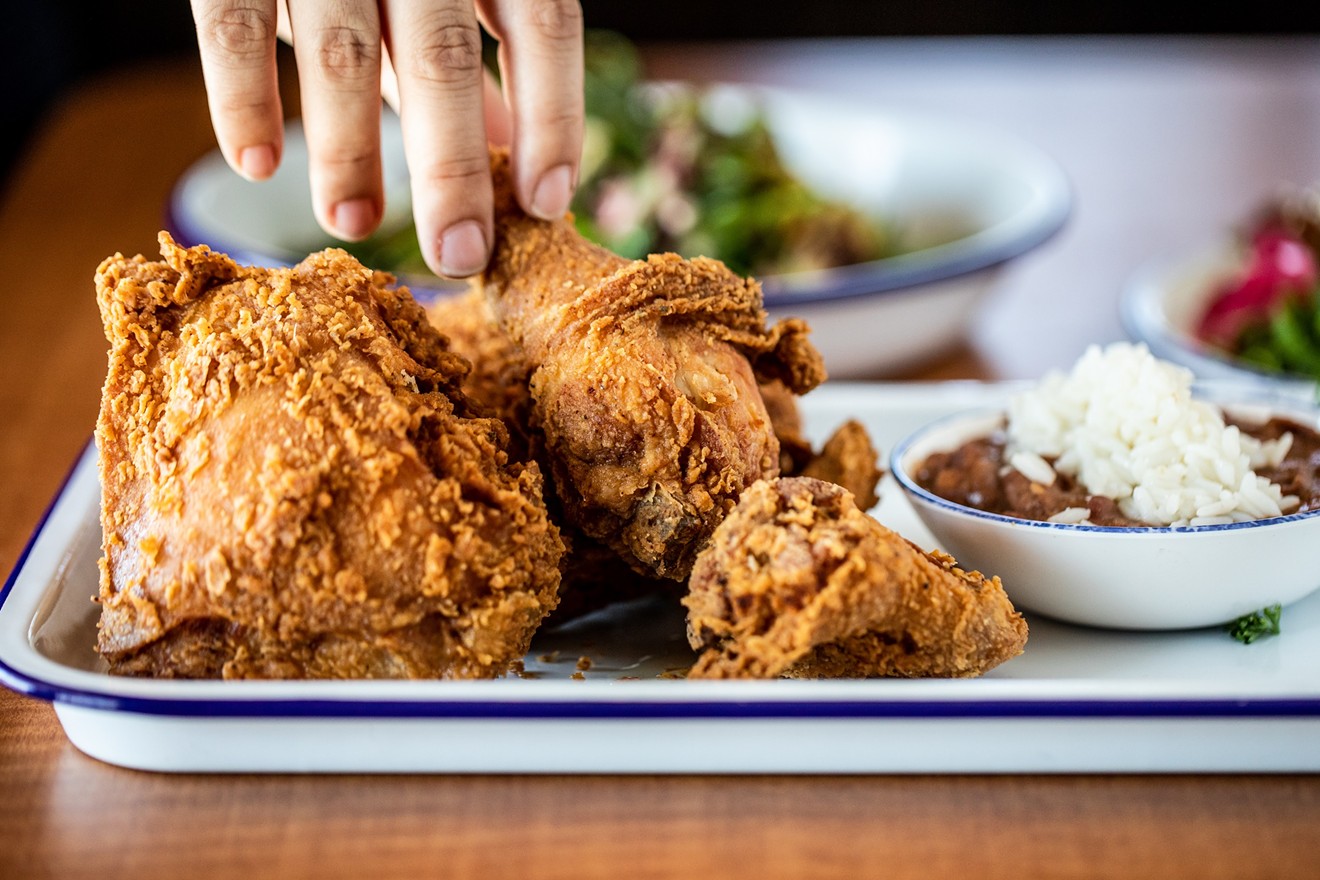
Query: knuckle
{"x": 239, "y": 31}
{"x": 347, "y": 54}
{"x": 460, "y": 171}
{"x": 447, "y": 52}
{"x": 242, "y": 105}
{"x": 556, "y": 20}
{"x": 557, "y": 119}
{"x": 346, "y": 159}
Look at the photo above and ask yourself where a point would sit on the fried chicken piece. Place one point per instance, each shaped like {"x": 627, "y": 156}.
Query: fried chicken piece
{"x": 849, "y": 459}
{"x": 798, "y": 582}
{"x": 498, "y": 382}
{"x": 293, "y": 485}
{"x": 644, "y": 381}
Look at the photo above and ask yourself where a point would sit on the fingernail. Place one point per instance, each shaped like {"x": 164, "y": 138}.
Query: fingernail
{"x": 353, "y": 219}
{"x": 463, "y": 250}
{"x": 257, "y": 163}
{"x": 552, "y": 194}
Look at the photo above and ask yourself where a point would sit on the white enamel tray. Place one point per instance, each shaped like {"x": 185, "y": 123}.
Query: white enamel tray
{"x": 1077, "y": 700}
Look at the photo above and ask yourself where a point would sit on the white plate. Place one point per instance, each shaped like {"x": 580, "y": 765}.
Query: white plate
{"x": 967, "y": 199}
{"x": 1077, "y": 700}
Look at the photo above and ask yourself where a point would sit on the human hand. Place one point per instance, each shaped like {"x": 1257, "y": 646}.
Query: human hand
{"x": 426, "y": 57}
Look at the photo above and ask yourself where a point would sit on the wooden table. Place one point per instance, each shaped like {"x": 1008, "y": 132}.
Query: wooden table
{"x": 1166, "y": 143}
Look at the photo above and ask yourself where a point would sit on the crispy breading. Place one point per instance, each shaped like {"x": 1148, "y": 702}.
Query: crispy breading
{"x": 644, "y": 381}
{"x": 498, "y": 380}
{"x": 849, "y": 456}
{"x": 850, "y": 459}
{"x": 798, "y": 582}
{"x": 293, "y": 485}
{"x": 785, "y": 420}
{"x": 592, "y": 575}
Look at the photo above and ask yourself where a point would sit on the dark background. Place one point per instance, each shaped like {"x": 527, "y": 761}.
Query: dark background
{"x": 55, "y": 44}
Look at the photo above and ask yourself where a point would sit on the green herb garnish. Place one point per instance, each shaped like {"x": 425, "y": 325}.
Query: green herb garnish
{"x": 1256, "y": 625}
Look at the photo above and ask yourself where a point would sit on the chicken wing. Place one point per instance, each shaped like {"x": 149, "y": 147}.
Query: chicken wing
{"x": 643, "y": 381}
{"x": 293, "y": 485}
{"x": 798, "y": 582}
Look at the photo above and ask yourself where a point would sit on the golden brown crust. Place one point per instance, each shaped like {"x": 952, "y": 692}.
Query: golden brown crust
{"x": 781, "y": 405}
{"x": 798, "y": 582}
{"x": 643, "y": 381}
{"x": 287, "y": 461}
{"x": 497, "y": 383}
{"x": 592, "y": 574}
{"x": 850, "y": 460}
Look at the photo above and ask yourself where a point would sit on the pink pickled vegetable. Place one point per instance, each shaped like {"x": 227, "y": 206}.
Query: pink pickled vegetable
{"x": 1279, "y": 266}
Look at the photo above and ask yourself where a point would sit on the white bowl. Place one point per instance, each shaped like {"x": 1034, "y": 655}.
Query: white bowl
{"x": 967, "y": 199}
{"x": 1122, "y": 578}
{"x": 1164, "y": 300}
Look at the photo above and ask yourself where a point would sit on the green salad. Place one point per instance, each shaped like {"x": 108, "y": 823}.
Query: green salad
{"x": 671, "y": 168}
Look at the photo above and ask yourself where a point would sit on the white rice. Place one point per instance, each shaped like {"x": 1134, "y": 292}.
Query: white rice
{"x": 1125, "y": 425}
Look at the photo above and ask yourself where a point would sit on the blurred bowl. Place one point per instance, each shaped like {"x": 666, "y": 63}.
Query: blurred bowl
{"x": 1161, "y": 578}
{"x": 964, "y": 199}
{"x": 1163, "y": 301}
